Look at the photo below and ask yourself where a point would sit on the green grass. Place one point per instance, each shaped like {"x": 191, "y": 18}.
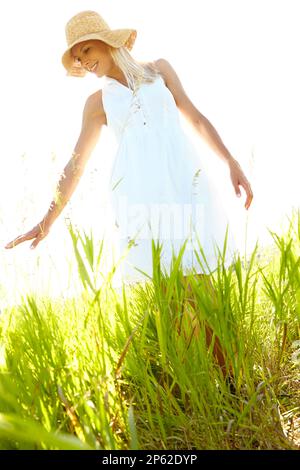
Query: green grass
{"x": 124, "y": 370}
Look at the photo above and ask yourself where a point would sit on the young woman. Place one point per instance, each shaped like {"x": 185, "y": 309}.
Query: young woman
{"x": 155, "y": 169}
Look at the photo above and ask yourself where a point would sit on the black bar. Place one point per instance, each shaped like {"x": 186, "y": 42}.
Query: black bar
{"x": 142, "y": 458}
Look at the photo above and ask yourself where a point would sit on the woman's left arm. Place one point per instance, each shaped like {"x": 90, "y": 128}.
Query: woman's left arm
{"x": 204, "y": 128}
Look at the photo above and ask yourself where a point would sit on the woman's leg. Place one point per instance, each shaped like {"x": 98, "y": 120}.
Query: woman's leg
{"x": 217, "y": 348}
{"x": 190, "y": 320}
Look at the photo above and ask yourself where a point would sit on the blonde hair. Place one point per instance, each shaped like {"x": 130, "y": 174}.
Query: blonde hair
{"x": 135, "y": 72}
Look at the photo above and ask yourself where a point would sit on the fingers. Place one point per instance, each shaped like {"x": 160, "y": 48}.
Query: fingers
{"x": 18, "y": 240}
{"x": 35, "y": 243}
{"x": 242, "y": 181}
{"x": 38, "y": 233}
{"x": 21, "y": 238}
{"x": 249, "y": 194}
{"x": 248, "y": 200}
{"x": 237, "y": 190}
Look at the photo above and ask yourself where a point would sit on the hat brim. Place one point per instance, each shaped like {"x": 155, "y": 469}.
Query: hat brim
{"x": 114, "y": 38}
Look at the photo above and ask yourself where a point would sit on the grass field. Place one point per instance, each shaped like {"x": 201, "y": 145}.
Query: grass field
{"x": 131, "y": 369}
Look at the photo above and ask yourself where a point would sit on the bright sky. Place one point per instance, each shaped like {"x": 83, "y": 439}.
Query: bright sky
{"x": 238, "y": 61}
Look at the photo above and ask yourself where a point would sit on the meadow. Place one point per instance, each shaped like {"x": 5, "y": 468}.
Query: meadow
{"x": 130, "y": 368}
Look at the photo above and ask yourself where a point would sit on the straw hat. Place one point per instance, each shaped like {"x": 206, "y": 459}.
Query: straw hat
{"x": 90, "y": 25}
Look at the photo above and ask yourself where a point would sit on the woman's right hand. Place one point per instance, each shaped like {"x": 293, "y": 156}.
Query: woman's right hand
{"x": 38, "y": 232}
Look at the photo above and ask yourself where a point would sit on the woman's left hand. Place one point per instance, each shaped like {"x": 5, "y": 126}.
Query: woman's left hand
{"x": 239, "y": 179}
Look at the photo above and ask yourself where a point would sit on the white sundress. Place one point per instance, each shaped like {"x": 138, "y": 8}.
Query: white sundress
{"x": 158, "y": 187}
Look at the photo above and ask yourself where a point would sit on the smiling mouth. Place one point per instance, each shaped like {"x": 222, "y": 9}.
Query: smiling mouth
{"x": 92, "y": 69}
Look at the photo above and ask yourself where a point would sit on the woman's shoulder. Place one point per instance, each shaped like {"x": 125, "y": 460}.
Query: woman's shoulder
{"x": 170, "y": 76}
{"x": 162, "y": 67}
{"x": 156, "y": 67}
{"x": 156, "y": 64}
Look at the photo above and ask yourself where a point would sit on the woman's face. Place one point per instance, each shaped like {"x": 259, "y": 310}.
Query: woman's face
{"x": 94, "y": 56}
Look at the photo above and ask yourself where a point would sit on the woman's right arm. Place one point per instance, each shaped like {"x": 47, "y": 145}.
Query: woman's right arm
{"x": 92, "y": 121}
